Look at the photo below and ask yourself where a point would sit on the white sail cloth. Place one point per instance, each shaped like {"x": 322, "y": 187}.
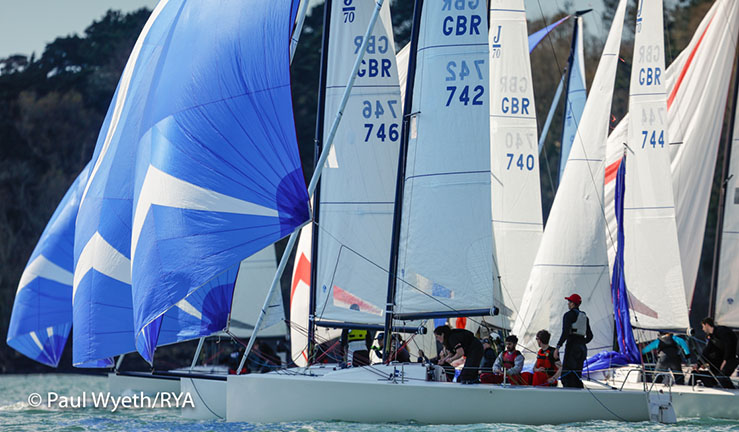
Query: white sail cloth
{"x": 446, "y": 246}
{"x": 697, "y": 84}
{"x": 727, "y": 292}
{"x": 572, "y": 256}
{"x": 357, "y": 191}
{"x": 652, "y": 270}
{"x": 516, "y": 190}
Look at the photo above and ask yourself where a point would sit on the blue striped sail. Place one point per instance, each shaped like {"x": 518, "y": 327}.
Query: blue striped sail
{"x": 42, "y": 310}
{"x": 102, "y": 306}
{"x": 217, "y": 175}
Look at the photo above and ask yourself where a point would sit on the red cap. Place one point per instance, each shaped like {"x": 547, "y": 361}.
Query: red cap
{"x": 574, "y": 298}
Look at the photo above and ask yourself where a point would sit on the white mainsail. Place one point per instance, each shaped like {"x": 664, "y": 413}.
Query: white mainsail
{"x": 572, "y": 256}
{"x": 357, "y": 191}
{"x": 697, "y": 84}
{"x": 727, "y": 291}
{"x": 652, "y": 269}
{"x": 446, "y": 245}
{"x": 516, "y": 190}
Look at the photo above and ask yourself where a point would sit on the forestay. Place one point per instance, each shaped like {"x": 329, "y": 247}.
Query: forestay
{"x": 516, "y": 191}
{"x": 727, "y": 292}
{"x": 218, "y": 175}
{"x": 572, "y": 256}
{"x": 697, "y": 84}
{"x": 42, "y": 311}
{"x": 357, "y": 190}
{"x": 446, "y": 244}
{"x": 653, "y": 273}
{"x": 101, "y": 296}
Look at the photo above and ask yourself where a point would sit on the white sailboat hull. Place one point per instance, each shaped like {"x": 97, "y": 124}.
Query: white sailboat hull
{"x": 367, "y": 395}
{"x": 689, "y": 401}
{"x": 209, "y": 398}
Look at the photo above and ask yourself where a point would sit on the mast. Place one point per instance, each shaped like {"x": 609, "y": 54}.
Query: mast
{"x": 318, "y": 145}
{"x": 403, "y": 155}
{"x": 722, "y": 195}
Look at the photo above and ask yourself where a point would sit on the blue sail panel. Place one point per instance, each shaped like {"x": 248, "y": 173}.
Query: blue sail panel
{"x": 42, "y": 311}
{"x": 539, "y": 35}
{"x": 576, "y": 95}
{"x": 624, "y": 333}
{"x": 199, "y": 314}
{"x": 102, "y": 302}
{"x": 218, "y": 175}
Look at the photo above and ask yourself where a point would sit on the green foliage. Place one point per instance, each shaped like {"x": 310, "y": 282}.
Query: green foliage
{"x": 51, "y": 109}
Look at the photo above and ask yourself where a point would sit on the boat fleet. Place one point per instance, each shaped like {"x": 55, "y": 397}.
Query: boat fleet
{"x": 425, "y": 205}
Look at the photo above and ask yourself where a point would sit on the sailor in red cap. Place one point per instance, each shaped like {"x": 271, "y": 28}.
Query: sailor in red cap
{"x": 576, "y": 332}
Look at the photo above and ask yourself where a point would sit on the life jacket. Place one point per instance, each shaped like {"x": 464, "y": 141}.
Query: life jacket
{"x": 669, "y": 349}
{"x": 545, "y": 359}
{"x": 509, "y": 358}
{"x": 580, "y": 326}
{"x": 356, "y": 335}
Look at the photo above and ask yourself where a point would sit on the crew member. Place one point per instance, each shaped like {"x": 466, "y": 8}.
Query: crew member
{"x": 576, "y": 332}
{"x": 460, "y": 343}
{"x": 356, "y": 345}
{"x": 509, "y": 364}
{"x": 547, "y": 368}
{"x": 668, "y": 357}
{"x": 719, "y": 354}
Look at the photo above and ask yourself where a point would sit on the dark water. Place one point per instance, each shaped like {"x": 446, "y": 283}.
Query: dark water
{"x": 17, "y": 415}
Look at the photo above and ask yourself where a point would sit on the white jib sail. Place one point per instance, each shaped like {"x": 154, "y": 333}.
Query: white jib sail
{"x": 357, "y": 192}
{"x": 446, "y": 245}
{"x": 652, "y": 269}
{"x": 252, "y": 283}
{"x": 516, "y": 190}
{"x": 697, "y": 85}
{"x": 572, "y": 257}
{"x": 727, "y": 292}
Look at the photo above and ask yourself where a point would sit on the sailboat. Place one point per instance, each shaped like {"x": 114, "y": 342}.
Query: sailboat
{"x": 162, "y": 207}
{"x": 698, "y": 78}
{"x": 432, "y": 273}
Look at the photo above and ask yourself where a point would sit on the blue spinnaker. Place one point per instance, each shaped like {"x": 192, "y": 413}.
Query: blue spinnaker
{"x": 539, "y": 35}
{"x": 624, "y": 333}
{"x": 604, "y": 360}
{"x": 42, "y": 310}
{"x": 218, "y": 175}
{"x": 102, "y": 306}
{"x": 576, "y": 94}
